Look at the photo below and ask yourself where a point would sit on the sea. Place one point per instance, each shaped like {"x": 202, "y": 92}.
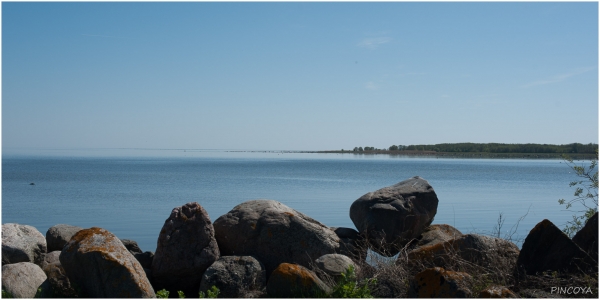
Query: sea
{"x": 131, "y": 193}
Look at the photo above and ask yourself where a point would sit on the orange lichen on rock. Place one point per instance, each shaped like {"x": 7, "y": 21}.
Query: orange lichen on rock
{"x": 291, "y": 280}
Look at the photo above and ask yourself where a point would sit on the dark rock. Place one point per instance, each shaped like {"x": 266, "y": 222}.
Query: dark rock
{"x": 145, "y": 259}
{"x": 22, "y": 279}
{"x": 497, "y": 292}
{"x": 236, "y": 277}
{"x": 96, "y": 261}
{"x": 57, "y": 284}
{"x": 22, "y": 243}
{"x": 392, "y": 216}
{"x": 481, "y": 250}
{"x": 587, "y": 237}
{"x": 186, "y": 248}
{"x": 351, "y": 243}
{"x": 547, "y": 248}
{"x": 274, "y": 233}
{"x": 439, "y": 283}
{"x": 295, "y": 281}
{"x": 59, "y": 235}
{"x": 132, "y": 246}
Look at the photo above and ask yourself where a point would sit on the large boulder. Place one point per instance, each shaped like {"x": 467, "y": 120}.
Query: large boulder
{"x": 96, "y": 262}
{"x": 22, "y": 243}
{"x": 186, "y": 248}
{"x": 274, "y": 234}
{"x": 59, "y": 235}
{"x": 439, "y": 283}
{"x": 488, "y": 252}
{"x": 236, "y": 277}
{"x": 587, "y": 237}
{"x": 547, "y": 248}
{"x": 295, "y": 281}
{"x": 22, "y": 280}
{"x": 392, "y": 216}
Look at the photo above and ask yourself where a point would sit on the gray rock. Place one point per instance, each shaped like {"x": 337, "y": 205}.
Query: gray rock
{"x": 131, "y": 246}
{"x": 334, "y": 265}
{"x": 547, "y": 248}
{"x": 295, "y": 281}
{"x": 587, "y": 237}
{"x": 96, "y": 261}
{"x": 51, "y": 258}
{"x": 22, "y": 243}
{"x": 236, "y": 277}
{"x": 22, "y": 280}
{"x": 274, "y": 233}
{"x": 59, "y": 235}
{"x": 392, "y": 216}
{"x": 186, "y": 248}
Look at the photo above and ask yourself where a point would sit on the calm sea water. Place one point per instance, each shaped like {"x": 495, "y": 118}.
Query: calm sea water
{"x": 133, "y": 196}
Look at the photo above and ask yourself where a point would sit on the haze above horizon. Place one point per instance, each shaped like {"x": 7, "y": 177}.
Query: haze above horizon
{"x": 297, "y": 76}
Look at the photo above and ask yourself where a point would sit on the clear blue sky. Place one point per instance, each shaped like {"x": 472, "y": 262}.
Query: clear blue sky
{"x": 297, "y": 76}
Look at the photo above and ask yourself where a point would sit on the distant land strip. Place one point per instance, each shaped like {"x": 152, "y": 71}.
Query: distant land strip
{"x": 474, "y": 150}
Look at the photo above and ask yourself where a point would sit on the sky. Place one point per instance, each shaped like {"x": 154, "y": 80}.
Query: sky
{"x": 297, "y": 76}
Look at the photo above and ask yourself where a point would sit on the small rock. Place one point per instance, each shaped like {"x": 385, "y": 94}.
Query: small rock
{"x": 22, "y": 280}
{"x": 351, "y": 243}
{"x": 50, "y": 258}
{"x": 434, "y": 234}
{"x": 439, "y": 283}
{"x": 58, "y": 284}
{"x": 236, "y": 277}
{"x": 22, "y": 243}
{"x": 96, "y": 261}
{"x": 295, "y": 281}
{"x": 334, "y": 265}
{"x": 131, "y": 246}
{"x": 392, "y": 216}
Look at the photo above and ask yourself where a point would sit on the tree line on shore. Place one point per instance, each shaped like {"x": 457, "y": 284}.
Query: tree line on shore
{"x": 491, "y": 148}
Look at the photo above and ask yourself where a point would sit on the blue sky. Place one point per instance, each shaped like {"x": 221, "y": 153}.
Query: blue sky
{"x": 297, "y": 76}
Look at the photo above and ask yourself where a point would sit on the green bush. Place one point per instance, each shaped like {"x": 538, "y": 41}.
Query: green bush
{"x": 213, "y": 292}
{"x": 180, "y": 294}
{"x": 162, "y": 294}
{"x": 6, "y": 294}
{"x": 347, "y": 286}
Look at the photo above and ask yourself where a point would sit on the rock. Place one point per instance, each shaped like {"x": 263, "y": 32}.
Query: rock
{"x": 59, "y": 235}
{"x": 295, "y": 281}
{"x": 435, "y": 234}
{"x": 274, "y": 233}
{"x": 587, "y": 237}
{"x": 439, "y": 283}
{"x": 547, "y": 248}
{"x": 131, "y": 246}
{"x": 58, "y": 284}
{"x": 236, "y": 277}
{"x": 145, "y": 259}
{"x": 392, "y": 216}
{"x": 22, "y": 279}
{"x": 50, "y": 258}
{"x": 334, "y": 265}
{"x": 488, "y": 252}
{"x": 186, "y": 248}
{"x": 351, "y": 243}
{"x": 497, "y": 292}
{"x": 22, "y": 243}
{"x": 96, "y": 261}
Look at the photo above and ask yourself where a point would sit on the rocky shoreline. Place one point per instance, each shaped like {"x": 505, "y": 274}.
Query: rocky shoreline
{"x": 263, "y": 248}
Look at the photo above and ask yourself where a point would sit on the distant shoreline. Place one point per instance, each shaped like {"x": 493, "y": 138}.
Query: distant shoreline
{"x": 415, "y": 153}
